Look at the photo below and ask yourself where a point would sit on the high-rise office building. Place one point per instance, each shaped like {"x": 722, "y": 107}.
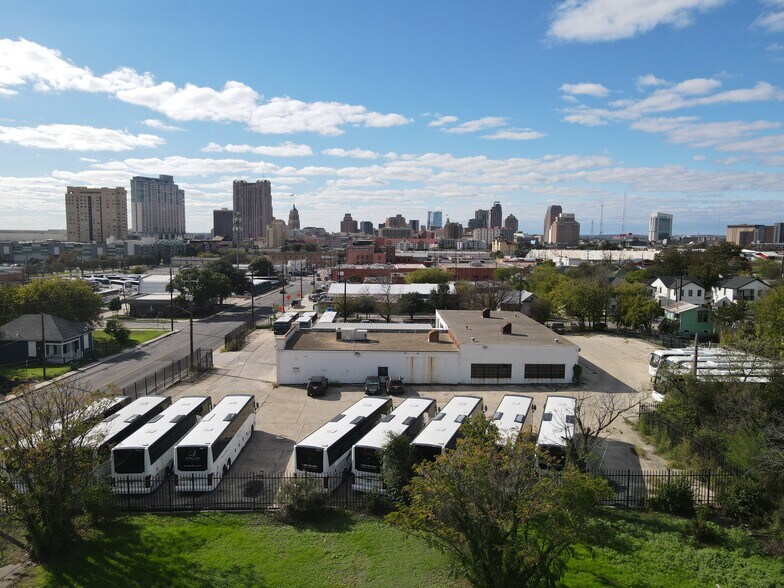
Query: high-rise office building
{"x": 453, "y": 230}
{"x": 745, "y": 235}
{"x": 565, "y": 230}
{"x": 481, "y": 219}
{"x": 293, "y": 218}
{"x": 659, "y": 226}
{"x": 549, "y": 218}
{"x": 94, "y": 214}
{"x": 434, "y": 219}
{"x": 158, "y": 207}
{"x": 496, "y": 216}
{"x": 253, "y": 204}
{"x": 414, "y": 225}
{"x": 223, "y": 224}
{"x": 348, "y": 224}
{"x": 276, "y": 233}
{"x": 366, "y": 227}
{"x": 397, "y": 221}
{"x": 511, "y": 224}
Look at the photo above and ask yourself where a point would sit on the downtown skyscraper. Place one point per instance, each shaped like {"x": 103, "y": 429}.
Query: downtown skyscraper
{"x": 253, "y": 204}
{"x": 158, "y": 207}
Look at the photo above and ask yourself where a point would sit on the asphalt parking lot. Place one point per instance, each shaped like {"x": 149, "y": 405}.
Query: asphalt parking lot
{"x": 611, "y": 365}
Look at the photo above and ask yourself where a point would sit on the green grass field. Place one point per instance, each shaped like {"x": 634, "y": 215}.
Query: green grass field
{"x": 105, "y": 345}
{"x": 34, "y": 373}
{"x": 217, "y": 549}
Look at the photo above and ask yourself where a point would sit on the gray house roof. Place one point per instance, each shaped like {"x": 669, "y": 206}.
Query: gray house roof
{"x": 740, "y": 282}
{"x": 675, "y": 281}
{"x": 28, "y": 328}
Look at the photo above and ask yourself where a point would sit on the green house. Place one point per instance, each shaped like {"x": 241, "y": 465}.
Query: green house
{"x": 690, "y": 318}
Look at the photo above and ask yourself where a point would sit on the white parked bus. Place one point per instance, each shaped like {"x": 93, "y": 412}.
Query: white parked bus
{"x": 212, "y": 446}
{"x": 307, "y": 320}
{"x": 284, "y": 322}
{"x": 661, "y": 357}
{"x": 326, "y": 453}
{"x": 409, "y": 418}
{"x": 444, "y": 430}
{"x": 749, "y": 372}
{"x": 557, "y": 428}
{"x": 510, "y": 416}
{"x": 140, "y": 462}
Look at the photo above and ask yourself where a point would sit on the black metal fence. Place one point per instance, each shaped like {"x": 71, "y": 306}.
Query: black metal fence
{"x": 235, "y": 339}
{"x": 650, "y": 419}
{"x": 261, "y": 491}
{"x": 185, "y": 368}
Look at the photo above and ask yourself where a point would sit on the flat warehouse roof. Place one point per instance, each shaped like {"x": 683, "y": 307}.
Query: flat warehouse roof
{"x": 470, "y": 328}
{"x": 327, "y": 341}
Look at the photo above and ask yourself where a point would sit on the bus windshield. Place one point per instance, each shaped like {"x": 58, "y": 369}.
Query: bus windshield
{"x": 310, "y": 459}
{"x": 129, "y": 461}
{"x": 427, "y": 452}
{"x": 366, "y": 459}
{"x": 192, "y": 459}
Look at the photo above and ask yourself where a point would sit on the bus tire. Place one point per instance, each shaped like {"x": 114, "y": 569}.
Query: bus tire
{"x": 167, "y": 471}
{"x": 228, "y": 463}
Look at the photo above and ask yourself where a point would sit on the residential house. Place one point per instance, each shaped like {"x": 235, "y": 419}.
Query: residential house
{"x": 23, "y": 339}
{"x": 670, "y": 289}
{"x": 690, "y": 318}
{"x": 732, "y": 290}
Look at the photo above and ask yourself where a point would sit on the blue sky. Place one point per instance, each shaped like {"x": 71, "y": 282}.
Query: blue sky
{"x": 401, "y": 107}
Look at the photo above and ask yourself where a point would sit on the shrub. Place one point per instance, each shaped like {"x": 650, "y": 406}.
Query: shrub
{"x": 675, "y": 497}
{"x": 397, "y": 464}
{"x": 378, "y": 504}
{"x": 302, "y": 499}
{"x": 745, "y": 500}
{"x": 703, "y": 531}
{"x": 118, "y": 331}
{"x": 577, "y": 373}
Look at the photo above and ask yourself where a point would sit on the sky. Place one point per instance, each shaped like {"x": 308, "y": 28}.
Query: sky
{"x": 401, "y": 107}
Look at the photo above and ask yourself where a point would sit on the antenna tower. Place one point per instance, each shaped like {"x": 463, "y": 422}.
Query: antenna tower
{"x": 601, "y": 222}
{"x": 623, "y": 217}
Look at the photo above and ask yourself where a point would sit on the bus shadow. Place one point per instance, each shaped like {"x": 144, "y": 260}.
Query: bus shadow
{"x": 592, "y": 373}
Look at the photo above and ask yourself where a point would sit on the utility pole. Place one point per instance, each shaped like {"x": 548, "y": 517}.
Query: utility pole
{"x": 171, "y": 299}
{"x": 43, "y": 341}
{"x": 237, "y": 226}
{"x": 252, "y": 308}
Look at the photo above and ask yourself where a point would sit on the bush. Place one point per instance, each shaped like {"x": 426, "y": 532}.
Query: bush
{"x": 118, "y": 331}
{"x": 378, "y": 504}
{"x": 674, "y": 497}
{"x": 302, "y": 499}
{"x": 577, "y": 373}
{"x": 397, "y": 464}
{"x": 745, "y": 500}
{"x": 703, "y": 531}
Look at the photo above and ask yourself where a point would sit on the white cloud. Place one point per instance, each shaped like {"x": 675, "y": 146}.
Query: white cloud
{"x": 773, "y": 20}
{"x": 177, "y": 165}
{"x": 24, "y": 62}
{"x": 76, "y": 138}
{"x": 441, "y": 120}
{"x": 355, "y": 153}
{"x": 687, "y": 130}
{"x": 159, "y": 125}
{"x": 649, "y": 80}
{"x": 763, "y": 145}
{"x": 586, "y": 89}
{"x": 286, "y": 149}
{"x": 610, "y": 20}
{"x": 480, "y": 124}
{"x": 516, "y": 135}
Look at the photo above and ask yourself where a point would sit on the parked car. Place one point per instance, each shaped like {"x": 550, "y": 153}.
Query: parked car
{"x": 317, "y": 385}
{"x": 372, "y": 385}
{"x": 558, "y": 328}
{"x": 395, "y": 385}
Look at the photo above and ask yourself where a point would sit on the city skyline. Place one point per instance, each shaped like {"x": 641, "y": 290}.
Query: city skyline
{"x": 572, "y": 103}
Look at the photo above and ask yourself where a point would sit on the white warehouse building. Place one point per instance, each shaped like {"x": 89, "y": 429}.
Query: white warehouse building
{"x": 464, "y": 347}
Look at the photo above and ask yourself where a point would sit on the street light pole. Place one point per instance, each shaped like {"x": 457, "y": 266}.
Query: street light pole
{"x": 237, "y": 220}
{"x": 252, "y": 308}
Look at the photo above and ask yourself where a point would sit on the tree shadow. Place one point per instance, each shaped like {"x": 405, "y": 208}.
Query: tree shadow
{"x": 613, "y": 384}
{"x": 332, "y": 520}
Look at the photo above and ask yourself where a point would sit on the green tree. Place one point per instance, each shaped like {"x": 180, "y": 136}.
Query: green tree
{"x": 584, "y": 299}
{"x": 203, "y": 284}
{"x": 509, "y": 275}
{"x": 117, "y": 330}
{"x": 634, "y": 308}
{"x": 767, "y": 269}
{"x": 239, "y": 281}
{"x": 354, "y": 279}
{"x": 428, "y": 275}
{"x": 8, "y": 302}
{"x": 73, "y": 300}
{"x": 115, "y": 304}
{"x": 543, "y": 279}
{"x": 364, "y": 304}
{"x": 262, "y": 266}
{"x": 501, "y": 521}
{"x": 440, "y": 297}
{"x": 397, "y": 464}
{"x": 48, "y": 461}
{"x": 411, "y": 303}
{"x": 733, "y": 319}
{"x": 768, "y": 315}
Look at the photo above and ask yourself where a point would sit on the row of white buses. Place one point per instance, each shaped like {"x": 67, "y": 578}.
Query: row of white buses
{"x": 190, "y": 439}
{"x": 352, "y": 441}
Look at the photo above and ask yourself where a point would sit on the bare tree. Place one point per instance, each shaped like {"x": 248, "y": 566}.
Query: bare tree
{"x": 47, "y": 463}
{"x": 386, "y": 301}
{"x": 595, "y": 414}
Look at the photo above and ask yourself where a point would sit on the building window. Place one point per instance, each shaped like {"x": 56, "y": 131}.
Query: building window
{"x": 699, "y": 292}
{"x": 545, "y": 371}
{"x": 702, "y": 316}
{"x": 691, "y": 292}
{"x": 491, "y": 370}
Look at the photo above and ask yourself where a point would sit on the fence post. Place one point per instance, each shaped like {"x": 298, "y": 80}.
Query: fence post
{"x": 155, "y": 376}
{"x": 193, "y": 494}
{"x": 708, "y": 501}
{"x": 628, "y": 486}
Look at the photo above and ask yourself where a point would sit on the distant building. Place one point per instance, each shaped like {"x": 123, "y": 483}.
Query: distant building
{"x": 253, "y": 203}
{"x": 486, "y": 234}
{"x": 565, "y": 230}
{"x": 414, "y": 225}
{"x": 481, "y": 219}
{"x": 659, "y": 227}
{"x": 94, "y": 214}
{"x": 549, "y": 218}
{"x": 495, "y": 216}
{"x": 276, "y": 233}
{"x": 396, "y": 221}
{"x": 511, "y": 224}
{"x": 366, "y": 228}
{"x": 453, "y": 231}
{"x": 745, "y": 235}
{"x": 294, "y": 218}
{"x": 158, "y": 207}
{"x": 223, "y": 223}
{"x": 348, "y": 224}
{"x": 434, "y": 219}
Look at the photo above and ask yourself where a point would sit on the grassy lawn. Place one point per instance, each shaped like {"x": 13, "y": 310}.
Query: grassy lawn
{"x": 105, "y": 345}
{"x": 218, "y": 549}
{"x": 34, "y": 373}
